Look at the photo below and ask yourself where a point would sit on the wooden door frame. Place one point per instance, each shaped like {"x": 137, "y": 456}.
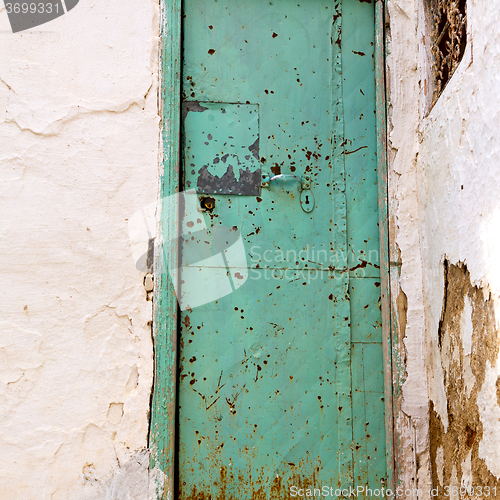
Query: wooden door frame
{"x": 163, "y": 432}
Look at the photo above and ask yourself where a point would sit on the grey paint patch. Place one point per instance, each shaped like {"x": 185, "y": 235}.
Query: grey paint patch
{"x": 194, "y": 106}
{"x": 254, "y": 148}
{"x": 70, "y": 4}
{"x": 221, "y": 148}
{"x": 145, "y": 262}
{"x": 249, "y": 182}
{"x": 133, "y": 481}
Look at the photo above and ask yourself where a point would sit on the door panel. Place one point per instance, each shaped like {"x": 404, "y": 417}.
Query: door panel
{"x": 268, "y": 396}
{"x": 278, "y": 56}
{"x": 358, "y": 55}
{"x": 260, "y": 398}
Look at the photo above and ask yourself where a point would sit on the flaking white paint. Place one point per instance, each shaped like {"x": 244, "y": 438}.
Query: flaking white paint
{"x": 440, "y": 465}
{"x": 466, "y": 327}
{"x": 79, "y": 156}
{"x": 458, "y": 179}
{"x": 403, "y": 91}
{"x": 467, "y": 482}
{"x": 489, "y": 413}
{"x": 444, "y": 202}
{"x": 466, "y": 330}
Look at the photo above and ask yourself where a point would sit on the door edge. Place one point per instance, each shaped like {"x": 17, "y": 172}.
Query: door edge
{"x": 162, "y": 430}
{"x": 389, "y": 319}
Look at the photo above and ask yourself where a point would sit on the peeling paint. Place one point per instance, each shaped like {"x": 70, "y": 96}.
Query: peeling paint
{"x": 443, "y": 182}
{"x": 221, "y": 154}
{"x": 469, "y": 444}
{"x": 489, "y": 414}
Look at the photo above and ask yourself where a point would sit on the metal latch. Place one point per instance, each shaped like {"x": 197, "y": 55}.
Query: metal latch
{"x": 304, "y": 182}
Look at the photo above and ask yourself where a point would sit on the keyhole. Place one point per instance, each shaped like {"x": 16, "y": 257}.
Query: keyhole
{"x": 307, "y": 200}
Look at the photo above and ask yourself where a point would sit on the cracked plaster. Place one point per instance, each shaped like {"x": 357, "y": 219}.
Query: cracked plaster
{"x": 79, "y": 156}
{"x": 444, "y": 179}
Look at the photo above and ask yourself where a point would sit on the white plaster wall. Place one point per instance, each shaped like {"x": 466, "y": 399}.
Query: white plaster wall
{"x": 445, "y": 178}
{"x": 411, "y": 419}
{"x": 459, "y": 166}
{"x": 459, "y": 179}
{"x": 78, "y": 156}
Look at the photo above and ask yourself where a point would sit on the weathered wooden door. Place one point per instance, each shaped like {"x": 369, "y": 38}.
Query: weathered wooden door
{"x": 281, "y": 377}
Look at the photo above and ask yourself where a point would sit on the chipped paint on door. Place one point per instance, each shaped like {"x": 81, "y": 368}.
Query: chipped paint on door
{"x": 221, "y": 148}
{"x": 281, "y": 381}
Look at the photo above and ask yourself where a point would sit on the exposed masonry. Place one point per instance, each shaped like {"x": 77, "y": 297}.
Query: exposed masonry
{"x": 449, "y": 38}
{"x": 468, "y": 347}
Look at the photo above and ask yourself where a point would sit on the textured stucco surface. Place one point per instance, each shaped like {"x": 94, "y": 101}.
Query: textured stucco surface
{"x": 445, "y": 207}
{"x": 78, "y": 156}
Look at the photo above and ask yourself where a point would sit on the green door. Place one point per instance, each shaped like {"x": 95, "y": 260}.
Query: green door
{"x": 281, "y": 367}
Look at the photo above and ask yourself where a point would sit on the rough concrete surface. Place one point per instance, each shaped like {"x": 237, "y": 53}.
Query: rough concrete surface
{"x": 79, "y": 155}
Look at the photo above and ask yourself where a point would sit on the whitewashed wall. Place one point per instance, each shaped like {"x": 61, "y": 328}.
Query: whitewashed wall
{"x": 78, "y": 156}
{"x": 445, "y": 201}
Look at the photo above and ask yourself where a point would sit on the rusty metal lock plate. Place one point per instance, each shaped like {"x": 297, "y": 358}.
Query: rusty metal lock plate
{"x": 221, "y": 154}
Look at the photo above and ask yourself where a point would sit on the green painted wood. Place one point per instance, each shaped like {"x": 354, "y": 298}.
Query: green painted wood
{"x": 339, "y": 282}
{"x": 164, "y": 402}
{"x": 388, "y": 318}
{"x": 368, "y": 400}
{"x": 342, "y": 329}
{"x": 219, "y": 67}
{"x": 301, "y": 138}
{"x": 363, "y": 219}
{"x": 358, "y": 45}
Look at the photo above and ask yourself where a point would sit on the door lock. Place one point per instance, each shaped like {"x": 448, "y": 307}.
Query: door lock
{"x": 304, "y": 184}
{"x": 207, "y": 204}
